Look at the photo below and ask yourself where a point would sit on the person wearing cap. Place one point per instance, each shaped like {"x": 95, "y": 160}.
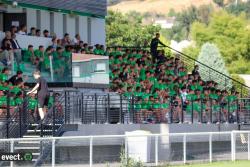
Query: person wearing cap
{"x": 42, "y": 91}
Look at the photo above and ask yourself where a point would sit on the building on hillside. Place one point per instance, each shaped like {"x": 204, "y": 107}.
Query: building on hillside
{"x": 165, "y": 23}
{"x": 84, "y": 17}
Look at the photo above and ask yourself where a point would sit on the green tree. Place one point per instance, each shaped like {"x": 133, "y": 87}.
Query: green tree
{"x": 229, "y": 33}
{"x": 210, "y": 55}
{"x": 120, "y": 30}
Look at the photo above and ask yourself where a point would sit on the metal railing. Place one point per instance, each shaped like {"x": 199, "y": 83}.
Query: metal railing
{"x": 112, "y": 108}
{"x": 75, "y": 107}
{"x": 147, "y": 149}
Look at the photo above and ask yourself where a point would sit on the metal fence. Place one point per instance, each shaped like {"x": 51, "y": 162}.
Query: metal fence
{"x": 82, "y": 108}
{"x": 146, "y": 149}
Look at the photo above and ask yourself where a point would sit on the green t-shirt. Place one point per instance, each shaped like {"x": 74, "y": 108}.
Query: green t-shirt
{"x": 213, "y": 96}
{"x": 156, "y": 105}
{"x": 38, "y": 53}
{"x": 3, "y": 77}
{"x": 19, "y": 101}
{"x": 3, "y": 88}
{"x": 169, "y": 72}
{"x": 3, "y": 100}
{"x": 182, "y": 74}
{"x": 231, "y": 98}
{"x": 27, "y": 56}
{"x": 16, "y": 90}
{"x": 191, "y": 97}
{"x": 32, "y": 104}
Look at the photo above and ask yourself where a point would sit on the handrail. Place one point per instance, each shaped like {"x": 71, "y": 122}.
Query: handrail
{"x": 183, "y": 54}
{"x": 122, "y": 136}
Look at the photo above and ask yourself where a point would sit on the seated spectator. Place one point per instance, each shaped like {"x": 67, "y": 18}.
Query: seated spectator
{"x": 7, "y": 56}
{"x": 77, "y": 39}
{"x": 13, "y": 30}
{"x": 23, "y": 30}
{"x": 54, "y": 43}
{"x": 29, "y": 55}
{"x": 38, "y": 32}
{"x": 17, "y": 50}
{"x": 46, "y": 34}
{"x": 66, "y": 40}
{"x": 39, "y": 57}
{"x": 4, "y": 75}
{"x": 17, "y": 79}
{"x": 47, "y": 55}
{"x": 32, "y": 31}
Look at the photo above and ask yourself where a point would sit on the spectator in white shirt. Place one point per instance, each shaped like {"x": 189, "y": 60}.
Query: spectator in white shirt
{"x": 77, "y": 39}
{"x": 23, "y": 30}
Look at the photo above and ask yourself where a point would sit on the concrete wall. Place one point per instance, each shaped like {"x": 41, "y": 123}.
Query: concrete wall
{"x": 31, "y": 18}
{"x": 98, "y": 34}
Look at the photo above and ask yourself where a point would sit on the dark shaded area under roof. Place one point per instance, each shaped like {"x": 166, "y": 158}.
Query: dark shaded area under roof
{"x": 94, "y": 7}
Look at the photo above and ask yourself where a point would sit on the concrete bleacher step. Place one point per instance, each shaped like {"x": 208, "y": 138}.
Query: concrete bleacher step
{"x": 26, "y": 148}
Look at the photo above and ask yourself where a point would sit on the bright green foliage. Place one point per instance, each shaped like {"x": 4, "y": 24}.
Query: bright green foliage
{"x": 238, "y": 87}
{"x": 127, "y": 30}
{"x": 210, "y": 55}
{"x": 229, "y": 33}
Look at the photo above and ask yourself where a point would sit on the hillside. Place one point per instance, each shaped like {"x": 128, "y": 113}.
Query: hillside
{"x": 156, "y": 6}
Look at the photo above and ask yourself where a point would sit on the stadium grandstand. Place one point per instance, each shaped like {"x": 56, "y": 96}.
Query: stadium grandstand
{"x": 108, "y": 105}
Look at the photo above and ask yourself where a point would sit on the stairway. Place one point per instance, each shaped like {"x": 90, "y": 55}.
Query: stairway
{"x": 35, "y": 146}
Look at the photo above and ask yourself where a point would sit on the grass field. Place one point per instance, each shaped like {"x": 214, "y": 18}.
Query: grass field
{"x": 218, "y": 164}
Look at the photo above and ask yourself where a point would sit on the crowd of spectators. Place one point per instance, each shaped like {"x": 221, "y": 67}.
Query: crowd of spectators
{"x": 164, "y": 84}
{"x": 59, "y": 52}
{"x": 13, "y": 90}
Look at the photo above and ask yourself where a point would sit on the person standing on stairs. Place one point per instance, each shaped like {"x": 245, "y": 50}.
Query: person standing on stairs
{"x": 42, "y": 91}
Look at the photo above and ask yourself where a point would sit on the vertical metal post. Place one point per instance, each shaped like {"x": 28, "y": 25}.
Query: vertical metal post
{"x": 53, "y": 117}
{"x": 95, "y": 114}
{"x": 211, "y": 111}
{"x": 65, "y": 106}
{"x": 120, "y": 111}
{"x": 20, "y": 121}
{"x": 11, "y": 150}
{"x": 232, "y": 146}
{"x": 108, "y": 110}
{"x": 201, "y": 110}
{"x": 41, "y": 131}
{"x": 210, "y": 148}
{"x": 248, "y": 146}
{"x": 91, "y": 151}
{"x": 133, "y": 111}
{"x": 83, "y": 109}
{"x": 184, "y": 148}
{"x": 126, "y": 148}
{"x": 192, "y": 112}
{"x": 220, "y": 113}
{"x": 228, "y": 111}
{"x": 182, "y": 111}
{"x": 53, "y": 153}
{"x": 237, "y": 111}
{"x": 8, "y": 114}
{"x": 171, "y": 110}
{"x": 156, "y": 150}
